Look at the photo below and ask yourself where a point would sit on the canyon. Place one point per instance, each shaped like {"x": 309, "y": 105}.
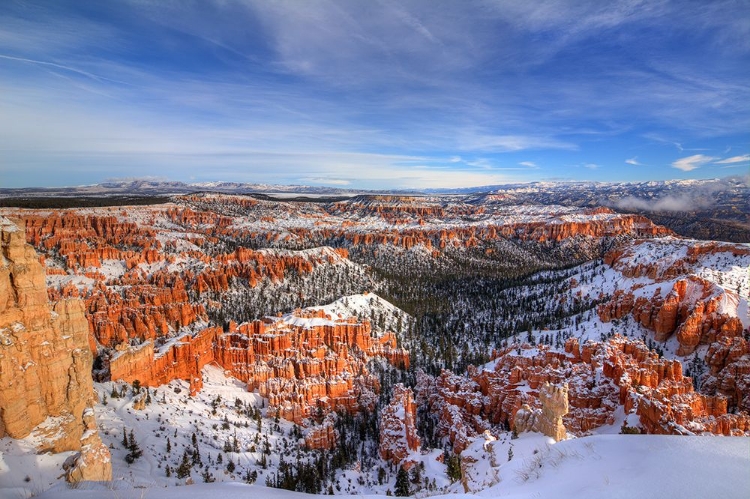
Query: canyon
{"x": 569, "y": 321}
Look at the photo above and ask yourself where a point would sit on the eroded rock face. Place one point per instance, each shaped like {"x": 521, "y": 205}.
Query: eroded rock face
{"x": 324, "y": 435}
{"x": 536, "y": 388}
{"x": 689, "y": 307}
{"x": 398, "y": 431}
{"x": 729, "y": 363}
{"x": 548, "y": 419}
{"x": 183, "y": 359}
{"x": 302, "y": 362}
{"x": 45, "y": 362}
{"x": 308, "y": 360}
{"x": 692, "y": 310}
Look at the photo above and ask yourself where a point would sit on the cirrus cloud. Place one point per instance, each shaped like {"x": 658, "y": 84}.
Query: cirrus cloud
{"x": 690, "y": 163}
{"x": 633, "y": 161}
{"x": 734, "y": 159}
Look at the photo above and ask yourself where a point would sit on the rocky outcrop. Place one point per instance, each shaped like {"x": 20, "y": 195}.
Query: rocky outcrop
{"x": 693, "y": 311}
{"x": 45, "y": 363}
{"x": 303, "y": 363}
{"x": 93, "y": 462}
{"x": 323, "y": 436}
{"x": 535, "y": 388}
{"x": 548, "y": 419}
{"x": 728, "y": 360}
{"x": 308, "y": 360}
{"x": 661, "y": 261}
{"x": 183, "y": 358}
{"x": 689, "y": 308}
{"x": 398, "y": 431}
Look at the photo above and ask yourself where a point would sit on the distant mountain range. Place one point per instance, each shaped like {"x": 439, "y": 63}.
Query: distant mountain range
{"x": 705, "y": 209}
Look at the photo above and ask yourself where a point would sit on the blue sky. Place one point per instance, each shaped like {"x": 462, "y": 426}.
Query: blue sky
{"x": 373, "y": 94}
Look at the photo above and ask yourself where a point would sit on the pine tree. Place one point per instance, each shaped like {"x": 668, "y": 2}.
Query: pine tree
{"x": 134, "y": 448}
{"x": 184, "y": 469}
{"x": 197, "y": 457}
{"x": 454, "y": 467}
{"x": 402, "y": 483}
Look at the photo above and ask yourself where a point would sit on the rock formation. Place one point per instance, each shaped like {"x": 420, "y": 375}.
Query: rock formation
{"x": 45, "y": 363}
{"x": 519, "y": 391}
{"x": 308, "y": 361}
{"x": 324, "y": 435}
{"x": 693, "y": 310}
{"x": 689, "y": 307}
{"x": 398, "y": 432}
{"x": 548, "y": 419}
{"x": 183, "y": 359}
{"x": 302, "y": 362}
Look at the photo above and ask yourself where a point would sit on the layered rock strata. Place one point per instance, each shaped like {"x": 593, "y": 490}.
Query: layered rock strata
{"x": 45, "y": 363}
{"x": 302, "y": 363}
{"x": 690, "y": 308}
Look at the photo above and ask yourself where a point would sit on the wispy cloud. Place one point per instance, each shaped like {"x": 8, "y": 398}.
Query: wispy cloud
{"x": 633, "y": 161}
{"x": 327, "y": 181}
{"x": 690, "y": 163}
{"x": 695, "y": 198}
{"x": 734, "y": 159}
{"x": 252, "y": 87}
{"x": 512, "y": 143}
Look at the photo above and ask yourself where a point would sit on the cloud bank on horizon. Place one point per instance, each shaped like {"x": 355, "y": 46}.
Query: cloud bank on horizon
{"x": 380, "y": 94}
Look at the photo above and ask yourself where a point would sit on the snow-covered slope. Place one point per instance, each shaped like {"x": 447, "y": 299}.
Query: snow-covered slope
{"x": 612, "y": 466}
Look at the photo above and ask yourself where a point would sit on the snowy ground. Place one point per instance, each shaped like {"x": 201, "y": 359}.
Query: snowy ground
{"x": 172, "y": 423}
{"x": 611, "y": 466}
{"x": 603, "y": 465}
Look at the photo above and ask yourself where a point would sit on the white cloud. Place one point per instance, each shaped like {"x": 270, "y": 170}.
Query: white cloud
{"x": 327, "y": 181}
{"x": 633, "y": 161}
{"x": 455, "y": 159}
{"x": 58, "y": 66}
{"x": 734, "y": 159}
{"x": 690, "y": 163}
{"x": 512, "y": 143}
{"x": 591, "y": 166}
{"x": 529, "y": 164}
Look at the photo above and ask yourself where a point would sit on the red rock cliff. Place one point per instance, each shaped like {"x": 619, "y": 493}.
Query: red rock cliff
{"x": 45, "y": 363}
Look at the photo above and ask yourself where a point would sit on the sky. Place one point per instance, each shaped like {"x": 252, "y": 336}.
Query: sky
{"x": 376, "y": 94}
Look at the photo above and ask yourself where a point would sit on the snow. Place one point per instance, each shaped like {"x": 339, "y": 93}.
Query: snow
{"x": 617, "y": 466}
{"x": 7, "y": 226}
{"x": 612, "y": 466}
